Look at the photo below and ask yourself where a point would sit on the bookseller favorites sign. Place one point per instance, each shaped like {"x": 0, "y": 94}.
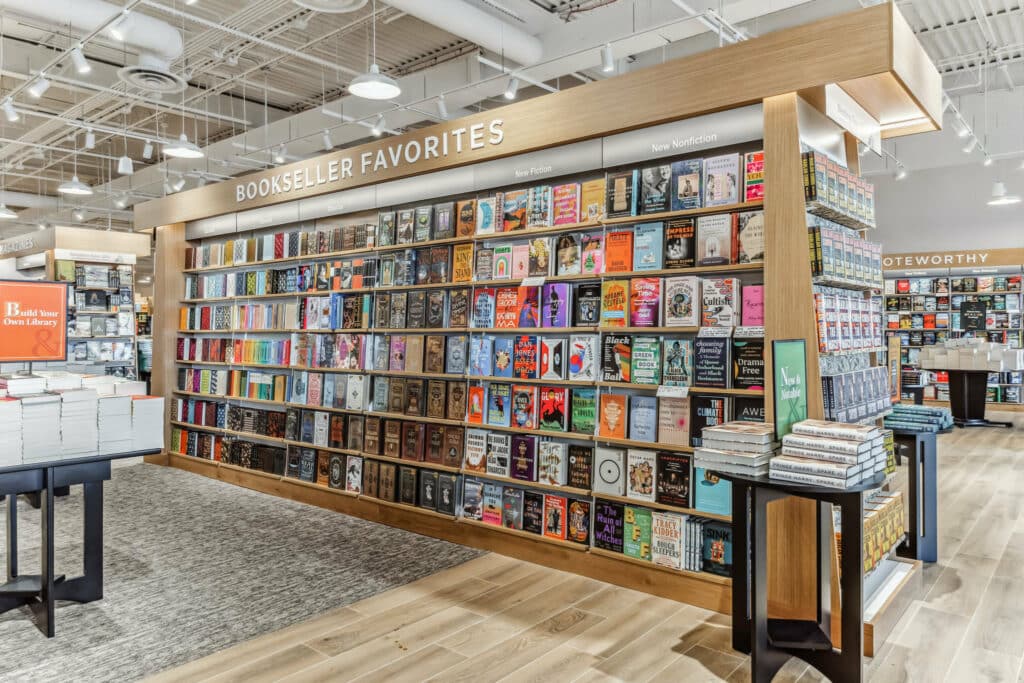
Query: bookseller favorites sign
{"x": 34, "y": 321}
{"x": 789, "y": 382}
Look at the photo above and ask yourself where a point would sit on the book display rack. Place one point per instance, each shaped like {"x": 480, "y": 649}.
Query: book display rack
{"x": 527, "y": 375}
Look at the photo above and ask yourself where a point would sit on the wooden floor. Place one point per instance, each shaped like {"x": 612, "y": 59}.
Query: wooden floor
{"x": 496, "y": 618}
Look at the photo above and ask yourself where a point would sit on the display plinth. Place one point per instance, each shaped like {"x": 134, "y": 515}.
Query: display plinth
{"x": 967, "y": 399}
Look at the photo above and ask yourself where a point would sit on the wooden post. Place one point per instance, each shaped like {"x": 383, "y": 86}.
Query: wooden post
{"x": 168, "y": 285}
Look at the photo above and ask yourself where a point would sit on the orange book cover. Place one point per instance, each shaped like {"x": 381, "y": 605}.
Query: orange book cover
{"x": 477, "y": 403}
{"x": 462, "y": 258}
{"x": 613, "y": 416}
{"x": 465, "y": 218}
{"x": 618, "y": 252}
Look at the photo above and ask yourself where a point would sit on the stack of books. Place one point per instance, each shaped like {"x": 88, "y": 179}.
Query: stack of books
{"x": 22, "y": 385}
{"x": 831, "y": 454}
{"x": 743, "y": 448}
{"x": 10, "y": 432}
{"x": 103, "y": 384}
{"x": 919, "y": 418}
{"x": 78, "y": 424}
{"x": 147, "y": 422}
{"x": 40, "y": 432}
{"x": 56, "y": 381}
{"x": 114, "y": 421}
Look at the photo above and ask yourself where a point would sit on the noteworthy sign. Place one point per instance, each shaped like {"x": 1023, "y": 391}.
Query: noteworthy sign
{"x": 789, "y": 375}
{"x": 33, "y": 321}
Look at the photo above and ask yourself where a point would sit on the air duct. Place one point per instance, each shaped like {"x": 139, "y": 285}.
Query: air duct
{"x": 475, "y": 25}
{"x": 157, "y": 43}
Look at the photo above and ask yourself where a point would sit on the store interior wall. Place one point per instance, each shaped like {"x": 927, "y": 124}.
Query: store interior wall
{"x": 946, "y": 209}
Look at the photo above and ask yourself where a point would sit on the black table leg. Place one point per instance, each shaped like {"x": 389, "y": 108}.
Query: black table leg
{"x": 89, "y": 586}
{"x": 46, "y": 579}
{"x": 740, "y": 575}
{"x": 12, "y": 537}
{"x": 825, "y": 541}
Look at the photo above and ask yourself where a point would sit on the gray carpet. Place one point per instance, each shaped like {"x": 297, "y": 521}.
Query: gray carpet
{"x": 195, "y": 565}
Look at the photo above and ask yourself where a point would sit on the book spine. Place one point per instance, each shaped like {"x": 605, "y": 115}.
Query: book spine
{"x": 809, "y": 479}
{"x": 830, "y": 445}
{"x": 829, "y": 432}
{"x": 841, "y": 458}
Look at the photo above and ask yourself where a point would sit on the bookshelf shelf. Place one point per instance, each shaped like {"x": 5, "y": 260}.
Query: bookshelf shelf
{"x": 518, "y": 380}
{"x": 566, "y": 490}
{"x": 321, "y": 487}
{"x": 404, "y": 506}
{"x": 329, "y": 410}
{"x": 236, "y": 468}
{"x": 524, "y": 534}
{"x": 329, "y": 449}
{"x": 532, "y": 330}
{"x": 413, "y": 463}
{"x": 690, "y": 390}
{"x": 666, "y": 215}
{"x": 630, "y": 443}
{"x": 222, "y": 397}
{"x": 660, "y": 506}
{"x": 647, "y": 330}
{"x": 415, "y": 418}
{"x": 702, "y": 576}
{"x": 583, "y": 226}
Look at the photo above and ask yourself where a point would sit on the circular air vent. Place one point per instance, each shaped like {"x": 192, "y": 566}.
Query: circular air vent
{"x": 332, "y": 6}
{"x": 152, "y": 79}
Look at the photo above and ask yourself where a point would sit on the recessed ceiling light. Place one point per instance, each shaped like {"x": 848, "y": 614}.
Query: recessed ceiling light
{"x": 75, "y": 187}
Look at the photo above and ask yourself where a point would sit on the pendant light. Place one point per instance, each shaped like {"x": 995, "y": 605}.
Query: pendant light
{"x": 1000, "y": 197}
{"x": 374, "y": 85}
{"x": 125, "y": 166}
{"x": 182, "y": 148}
{"x": 75, "y": 186}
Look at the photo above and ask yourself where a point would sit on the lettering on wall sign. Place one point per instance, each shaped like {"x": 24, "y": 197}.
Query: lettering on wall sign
{"x": 953, "y": 259}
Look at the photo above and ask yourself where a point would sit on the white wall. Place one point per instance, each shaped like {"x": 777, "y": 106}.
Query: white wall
{"x": 945, "y": 209}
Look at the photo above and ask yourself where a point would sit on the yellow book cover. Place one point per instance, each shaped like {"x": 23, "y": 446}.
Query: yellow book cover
{"x": 592, "y": 199}
{"x": 229, "y": 252}
{"x": 462, "y": 270}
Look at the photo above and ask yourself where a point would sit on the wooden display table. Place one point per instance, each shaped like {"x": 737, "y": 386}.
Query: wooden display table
{"x": 771, "y": 642}
{"x": 41, "y": 591}
{"x": 967, "y": 399}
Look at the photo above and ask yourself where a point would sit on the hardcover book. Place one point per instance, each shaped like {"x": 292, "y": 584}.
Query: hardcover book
{"x": 553, "y": 463}
{"x": 584, "y": 411}
{"x": 436, "y": 398}
{"x": 407, "y": 485}
{"x": 672, "y": 484}
{"x": 476, "y": 450}
{"x": 540, "y": 257}
{"x": 465, "y": 218}
{"x": 711, "y": 366}
{"x": 750, "y": 237}
{"x": 499, "y": 449}
{"x": 592, "y": 199}
{"x": 406, "y": 226}
{"x": 686, "y": 177}
{"x": 447, "y": 493}
{"x": 433, "y": 353}
{"x": 428, "y": 489}
{"x": 512, "y": 507}
{"x": 484, "y": 307}
{"x": 499, "y": 404}
{"x": 504, "y": 348}
{"x": 613, "y": 416}
{"x": 680, "y": 243}
{"x": 528, "y": 306}
{"x": 553, "y": 409}
{"x": 753, "y": 182}
{"x": 462, "y": 258}
{"x": 492, "y": 499}
{"x": 515, "y": 207}
{"x": 484, "y": 268}
{"x": 622, "y": 194}
{"x": 524, "y": 457}
{"x": 472, "y": 498}
{"x": 578, "y": 521}
{"x": 645, "y": 361}
{"x": 581, "y": 470}
{"x": 648, "y": 239}
{"x": 587, "y": 305}
{"x": 582, "y": 357}
{"x": 592, "y": 254}
{"x": 477, "y": 402}
{"x": 554, "y": 516}
{"x": 753, "y": 305}
{"x": 708, "y": 411}
{"x": 609, "y": 518}
{"x": 721, "y": 180}
{"x": 444, "y": 221}
{"x": 502, "y": 268}
{"x": 667, "y": 539}
{"x": 567, "y": 253}
{"x": 538, "y": 205}
{"x": 488, "y": 214}
{"x": 552, "y": 358}
{"x": 719, "y": 299}
{"x": 643, "y": 418}
{"x": 566, "y": 203}
{"x": 711, "y": 494}
{"x": 716, "y": 553}
{"x": 678, "y": 365}
{"x": 424, "y": 223}
{"x": 616, "y": 358}
{"x": 533, "y": 512}
{"x": 557, "y": 303}
{"x": 525, "y": 357}
{"x": 618, "y": 251}
{"x": 386, "y": 228}
{"x": 715, "y": 238}
{"x": 520, "y": 261}
{"x": 456, "y": 354}
{"x": 655, "y": 189}
{"x": 748, "y": 409}
{"x": 636, "y": 532}
{"x": 645, "y": 302}
{"x": 388, "y": 484}
{"x": 614, "y": 303}
{"x": 454, "y": 441}
{"x": 748, "y": 363}
{"x": 641, "y": 469}
{"x": 506, "y": 308}
{"x": 524, "y": 406}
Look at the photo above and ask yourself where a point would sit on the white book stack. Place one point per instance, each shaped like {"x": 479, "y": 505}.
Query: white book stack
{"x": 128, "y": 387}
{"x": 22, "y": 385}
{"x": 147, "y": 422}
{"x": 743, "y": 448}
{"x": 10, "y": 432}
{"x": 831, "y": 454}
{"x": 40, "y": 427}
{"x": 78, "y": 426}
{"x": 103, "y": 384}
{"x": 56, "y": 381}
{"x": 114, "y": 421}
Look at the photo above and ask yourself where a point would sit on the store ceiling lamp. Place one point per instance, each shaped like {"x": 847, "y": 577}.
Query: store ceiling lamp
{"x": 6, "y": 214}
{"x": 78, "y": 215}
{"x": 147, "y": 151}
{"x": 378, "y": 126}
{"x": 182, "y": 148}
{"x": 125, "y": 166}
{"x": 280, "y": 154}
{"x": 969, "y": 147}
{"x": 121, "y": 202}
{"x": 512, "y": 88}
{"x": 442, "y": 108}
{"x": 179, "y": 184}
{"x": 373, "y": 85}
{"x": 1000, "y": 197}
{"x": 962, "y": 130}
{"x": 901, "y": 172}
{"x": 987, "y": 162}
{"x": 607, "y": 59}
{"x": 117, "y": 29}
{"x": 328, "y": 143}
{"x": 9, "y": 111}
{"x": 90, "y": 139}
{"x": 332, "y": 6}
{"x": 75, "y": 187}
{"x": 39, "y": 87}
{"x": 82, "y": 65}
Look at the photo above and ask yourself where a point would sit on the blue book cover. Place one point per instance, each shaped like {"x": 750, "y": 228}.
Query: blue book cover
{"x": 711, "y": 494}
{"x": 499, "y": 404}
{"x": 557, "y": 305}
{"x": 481, "y": 356}
{"x": 686, "y": 177}
{"x": 647, "y": 243}
{"x": 503, "y": 351}
{"x": 643, "y": 418}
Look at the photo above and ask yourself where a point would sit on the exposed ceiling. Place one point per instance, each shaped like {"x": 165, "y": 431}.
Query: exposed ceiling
{"x": 266, "y": 79}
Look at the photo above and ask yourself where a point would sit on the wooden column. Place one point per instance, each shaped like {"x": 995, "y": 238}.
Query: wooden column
{"x": 789, "y": 314}
{"x": 168, "y": 285}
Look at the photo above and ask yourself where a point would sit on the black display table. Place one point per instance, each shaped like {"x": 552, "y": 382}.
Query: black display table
{"x": 771, "y": 642}
{"x": 923, "y": 529}
{"x": 967, "y": 399}
{"x": 41, "y": 591}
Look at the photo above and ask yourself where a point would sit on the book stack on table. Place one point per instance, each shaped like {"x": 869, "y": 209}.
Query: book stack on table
{"x": 78, "y": 426}
{"x": 831, "y": 454}
{"x": 737, "y": 448}
{"x": 919, "y": 418}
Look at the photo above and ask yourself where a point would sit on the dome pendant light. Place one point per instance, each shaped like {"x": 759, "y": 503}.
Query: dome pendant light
{"x": 1000, "y": 197}
{"x": 182, "y": 148}
{"x": 75, "y": 186}
{"x": 374, "y": 85}
{"x": 125, "y": 165}
{"x": 5, "y": 213}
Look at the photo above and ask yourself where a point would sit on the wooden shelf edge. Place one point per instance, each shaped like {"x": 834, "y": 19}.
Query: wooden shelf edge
{"x": 667, "y": 215}
{"x": 570, "y": 545}
{"x": 701, "y": 576}
{"x": 405, "y": 506}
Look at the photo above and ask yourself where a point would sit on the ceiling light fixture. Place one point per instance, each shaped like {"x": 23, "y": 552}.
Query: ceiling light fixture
{"x": 39, "y": 86}
{"x": 328, "y": 143}
{"x": 179, "y": 184}
{"x": 90, "y": 139}
{"x": 607, "y": 59}
{"x": 512, "y": 88}
{"x": 962, "y": 130}
{"x": 75, "y": 187}
{"x": 378, "y": 126}
{"x": 117, "y": 29}
{"x": 82, "y": 65}
{"x": 970, "y": 146}
{"x": 442, "y": 108}
{"x": 279, "y": 155}
{"x": 167, "y": 187}
{"x": 901, "y": 172}
{"x": 10, "y": 112}
{"x": 373, "y": 85}
{"x": 191, "y": 2}
{"x": 5, "y": 213}
{"x": 78, "y": 215}
{"x": 182, "y": 148}
{"x": 147, "y": 151}
{"x": 125, "y": 166}
{"x": 121, "y": 202}
{"x": 1000, "y": 197}
{"x": 987, "y": 162}
{"x": 202, "y": 180}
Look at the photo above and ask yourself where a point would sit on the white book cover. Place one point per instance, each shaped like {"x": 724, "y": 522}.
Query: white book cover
{"x": 582, "y": 365}
{"x": 609, "y": 471}
{"x": 552, "y": 463}
{"x": 682, "y": 301}
{"x": 321, "y": 428}
{"x": 476, "y": 450}
{"x": 667, "y": 539}
{"x": 721, "y": 180}
{"x": 641, "y": 472}
{"x": 499, "y": 451}
{"x": 355, "y": 392}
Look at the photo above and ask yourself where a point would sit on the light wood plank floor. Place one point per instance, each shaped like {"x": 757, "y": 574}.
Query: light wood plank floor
{"x": 497, "y": 618}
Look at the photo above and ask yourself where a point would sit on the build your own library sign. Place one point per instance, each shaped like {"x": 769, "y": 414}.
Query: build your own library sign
{"x": 34, "y": 321}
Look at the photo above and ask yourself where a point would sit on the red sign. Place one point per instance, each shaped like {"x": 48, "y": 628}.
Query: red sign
{"x": 33, "y": 321}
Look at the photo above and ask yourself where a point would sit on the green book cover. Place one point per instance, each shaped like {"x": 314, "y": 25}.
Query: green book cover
{"x": 646, "y": 361}
{"x": 584, "y": 411}
{"x": 636, "y": 533}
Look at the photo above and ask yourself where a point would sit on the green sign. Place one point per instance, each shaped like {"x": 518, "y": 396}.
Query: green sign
{"x": 789, "y": 383}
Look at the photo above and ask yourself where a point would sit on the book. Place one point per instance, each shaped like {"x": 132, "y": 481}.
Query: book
{"x": 748, "y": 409}
{"x": 476, "y": 450}
{"x": 648, "y": 240}
{"x": 540, "y": 262}
{"x": 552, "y": 463}
{"x": 525, "y": 357}
{"x": 686, "y": 182}
{"x": 753, "y": 176}
{"x": 715, "y": 237}
{"x": 565, "y": 201}
{"x": 716, "y": 548}
{"x": 423, "y": 228}
{"x": 721, "y": 180}
{"x": 502, "y": 268}
{"x": 752, "y": 309}
{"x": 557, "y": 303}
{"x": 523, "y": 463}
{"x": 454, "y": 441}
{"x": 458, "y": 401}
{"x": 506, "y": 308}
{"x": 444, "y": 221}
{"x": 512, "y": 507}
{"x": 645, "y": 360}
{"x": 618, "y": 251}
{"x": 484, "y": 307}
{"x": 587, "y": 305}
{"x": 720, "y": 302}
{"x": 643, "y": 418}
{"x": 567, "y": 254}
{"x": 584, "y": 411}
{"x": 528, "y": 305}
{"x": 520, "y": 261}
{"x": 711, "y": 494}
{"x": 636, "y": 532}
{"x": 707, "y": 411}
{"x": 514, "y": 210}
{"x": 406, "y": 226}
{"x": 499, "y": 404}
{"x": 538, "y": 205}
{"x": 533, "y": 512}
{"x": 678, "y": 365}
{"x": 610, "y": 471}
{"x": 552, "y": 357}
{"x": 609, "y": 518}
{"x": 672, "y": 483}
{"x": 592, "y": 199}
{"x": 492, "y": 502}
{"x": 488, "y": 212}
{"x": 456, "y": 355}
{"x": 748, "y": 363}
{"x": 621, "y": 190}
{"x": 680, "y": 243}
{"x": 581, "y": 461}
{"x": 552, "y": 415}
{"x": 750, "y": 237}
{"x": 614, "y": 303}
{"x": 667, "y": 539}
{"x": 578, "y": 521}
{"x": 592, "y": 254}
{"x": 682, "y": 301}
{"x": 616, "y": 357}
{"x": 711, "y": 362}
{"x": 462, "y": 262}
{"x": 447, "y": 493}
{"x": 407, "y": 485}
{"x": 477, "y": 401}
{"x": 499, "y": 449}
{"x": 524, "y": 406}
{"x": 612, "y": 416}
{"x": 483, "y": 269}
{"x": 645, "y": 302}
{"x": 655, "y": 189}
{"x": 554, "y": 516}
{"x": 465, "y": 218}
{"x": 582, "y": 357}
{"x": 641, "y": 470}
{"x": 472, "y": 498}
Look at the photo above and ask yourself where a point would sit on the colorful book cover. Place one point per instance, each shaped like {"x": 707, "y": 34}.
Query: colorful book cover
{"x": 553, "y": 409}
{"x": 492, "y": 500}
{"x": 524, "y": 406}
{"x": 525, "y": 357}
{"x": 708, "y": 411}
{"x": 554, "y": 516}
{"x": 406, "y": 226}
{"x": 582, "y": 358}
{"x": 465, "y": 218}
{"x": 587, "y": 305}
{"x": 506, "y": 308}
{"x": 483, "y": 270}
{"x": 477, "y": 404}
{"x": 476, "y": 450}
{"x": 616, "y": 353}
{"x": 721, "y": 180}
{"x": 667, "y": 539}
{"x": 528, "y": 306}
{"x": 678, "y": 365}
{"x": 686, "y": 177}
{"x": 648, "y": 239}
{"x": 613, "y": 416}
{"x": 540, "y": 257}
{"x": 682, "y": 301}
{"x": 753, "y": 172}
{"x": 481, "y": 356}
{"x": 592, "y": 199}
{"x": 711, "y": 367}
{"x": 578, "y": 521}
{"x": 750, "y": 237}
{"x": 567, "y": 253}
{"x": 622, "y": 194}
{"x": 524, "y": 457}
{"x": 488, "y": 210}
{"x": 504, "y": 348}
{"x": 645, "y": 358}
{"x": 499, "y": 404}
{"x": 680, "y": 243}
{"x": 609, "y": 520}
{"x": 674, "y": 420}
{"x": 584, "y": 410}
{"x": 655, "y": 189}
{"x": 538, "y": 206}
{"x": 515, "y": 206}
{"x": 672, "y": 483}
{"x": 643, "y": 418}
{"x": 424, "y": 223}
{"x": 614, "y": 303}
{"x": 641, "y": 469}
{"x": 520, "y": 261}
{"x": 592, "y": 254}
{"x": 512, "y": 507}
{"x": 618, "y": 252}
{"x": 715, "y": 239}
{"x": 716, "y": 556}
{"x": 752, "y": 310}
{"x": 636, "y": 532}
{"x": 645, "y": 302}
{"x": 566, "y": 203}
{"x": 719, "y": 299}
{"x": 711, "y": 494}
{"x": 462, "y": 259}
{"x": 557, "y": 304}
{"x": 502, "y": 269}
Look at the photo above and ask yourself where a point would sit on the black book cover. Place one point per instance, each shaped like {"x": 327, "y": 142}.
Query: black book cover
{"x": 435, "y": 309}
{"x": 533, "y": 512}
{"x": 711, "y": 362}
{"x": 307, "y": 465}
{"x": 673, "y": 480}
{"x": 655, "y": 184}
{"x": 447, "y": 490}
{"x": 423, "y": 266}
{"x": 587, "y": 305}
{"x": 609, "y": 518}
{"x": 336, "y": 474}
{"x": 407, "y": 485}
{"x": 708, "y": 411}
{"x": 680, "y": 243}
{"x": 615, "y": 357}
{"x": 428, "y": 489}
{"x": 748, "y": 363}
{"x": 717, "y": 548}
{"x": 581, "y": 466}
